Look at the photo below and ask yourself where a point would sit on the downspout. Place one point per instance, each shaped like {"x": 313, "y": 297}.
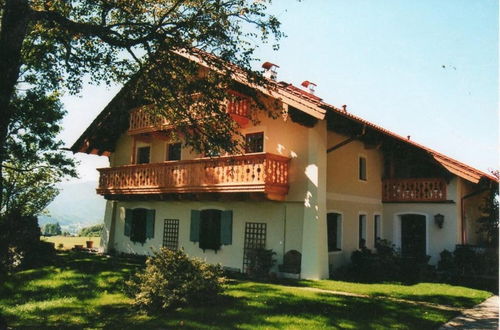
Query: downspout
{"x": 462, "y": 210}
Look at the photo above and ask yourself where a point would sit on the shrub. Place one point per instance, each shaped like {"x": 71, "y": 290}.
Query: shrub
{"x": 172, "y": 279}
{"x": 260, "y": 263}
{"x": 386, "y": 264}
{"x": 467, "y": 266}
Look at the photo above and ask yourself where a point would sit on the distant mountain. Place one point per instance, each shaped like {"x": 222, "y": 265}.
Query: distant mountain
{"x": 76, "y": 206}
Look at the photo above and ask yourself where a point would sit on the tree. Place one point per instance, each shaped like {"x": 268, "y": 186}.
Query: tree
{"x": 33, "y": 163}
{"x": 92, "y": 231}
{"x": 489, "y": 221}
{"x": 50, "y": 46}
{"x": 52, "y": 229}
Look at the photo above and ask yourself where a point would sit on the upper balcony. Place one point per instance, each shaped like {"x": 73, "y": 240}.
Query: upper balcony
{"x": 414, "y": 190}
{"x": 262, "y": 173}
{"x": 142, "y": 122}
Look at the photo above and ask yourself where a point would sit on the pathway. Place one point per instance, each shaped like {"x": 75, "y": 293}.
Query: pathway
{"x": 482, "y": 316}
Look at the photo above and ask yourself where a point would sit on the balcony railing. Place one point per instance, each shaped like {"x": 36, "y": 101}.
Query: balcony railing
{"x": 414, "y": 190}
{"x": 142, "y": 122}
{"x": 265, "y": 173}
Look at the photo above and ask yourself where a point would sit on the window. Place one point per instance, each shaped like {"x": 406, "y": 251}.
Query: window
{"x": 254, "y": 142}
{"x": 362, "y": 168}
{"x": 334, "y": 229}
{"x": 143, "y": 155}
{"x": 211, "y": 228}
{"x": 377, "y": 229}
{"x": 173, "y": 151}
{"x": 139, "y": 224}
{"x": 171, "y": 234}
{"x": 362, "y": 231}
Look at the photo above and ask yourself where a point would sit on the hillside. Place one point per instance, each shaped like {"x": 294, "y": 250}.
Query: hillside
{"x": 76, "y": 206}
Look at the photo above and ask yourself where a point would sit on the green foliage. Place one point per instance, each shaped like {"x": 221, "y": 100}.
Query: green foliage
{"x": 489, "y": 221}
{"x": 34, "y": 162}
{"x": 260, "y": 263}
{"x": 52, "y": 229}
{"x": 92, "y": 231}
{"x": 386, "y": 264}
{"x": 172, "y": 279}
{"x": 20, "y": 245}
{"x": 469, "y": 266}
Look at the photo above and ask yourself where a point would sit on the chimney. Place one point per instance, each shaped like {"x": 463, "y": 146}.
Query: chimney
{"x": 344, "y": 107}
{"x": 309, "y": 85}
{"x": 270, "y": 70}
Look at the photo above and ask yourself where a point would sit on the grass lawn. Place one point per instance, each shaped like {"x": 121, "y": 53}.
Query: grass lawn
{"x": 69, "y": 242}
{"x": 83, "y": 290}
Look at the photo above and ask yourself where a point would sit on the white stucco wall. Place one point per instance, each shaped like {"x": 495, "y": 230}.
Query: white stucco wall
{"x": 279, "y": 217}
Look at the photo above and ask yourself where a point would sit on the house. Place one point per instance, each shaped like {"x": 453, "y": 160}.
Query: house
{"x": 317, "y": 179}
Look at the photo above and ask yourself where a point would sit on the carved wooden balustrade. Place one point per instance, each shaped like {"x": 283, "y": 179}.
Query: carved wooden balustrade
{"x": 414, "y": 190}
{"x": 141, "y": 122}
{"x": 266, "y": 173}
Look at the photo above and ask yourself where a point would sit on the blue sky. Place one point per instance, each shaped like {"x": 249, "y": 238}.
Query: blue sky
{"x": 384, "y": 59}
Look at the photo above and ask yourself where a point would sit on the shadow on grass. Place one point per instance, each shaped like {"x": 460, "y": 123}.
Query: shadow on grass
{"x": 86, "y": 291}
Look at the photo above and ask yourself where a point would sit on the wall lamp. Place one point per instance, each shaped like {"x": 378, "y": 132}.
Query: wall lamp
{"x": 439, "y": 220}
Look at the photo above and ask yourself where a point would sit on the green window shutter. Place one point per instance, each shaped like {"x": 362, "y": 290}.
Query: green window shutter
{"x": 226, "y": 227}
{"x": 128, "y": 222}
{"x": 150, "y": 223}
{"x": 194, "y": 233}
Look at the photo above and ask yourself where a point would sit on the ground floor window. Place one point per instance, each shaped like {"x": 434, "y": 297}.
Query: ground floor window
{"x": 377, "y": 228}
{"x": 362, "y": 231}
{"x": 171, "y": 234}
{"x": 139, "y": 224}
{"x": 211, "y": 228}
{"x": 334, "y": 229}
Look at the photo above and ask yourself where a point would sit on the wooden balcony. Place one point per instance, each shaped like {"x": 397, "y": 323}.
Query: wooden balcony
{"x": 414, "y": 190}
{"x": 262, "y": 173}
{"x": 142, "y": 122}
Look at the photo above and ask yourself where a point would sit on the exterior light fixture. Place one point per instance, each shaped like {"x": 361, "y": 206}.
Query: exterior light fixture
{"x": 439, "y": 220}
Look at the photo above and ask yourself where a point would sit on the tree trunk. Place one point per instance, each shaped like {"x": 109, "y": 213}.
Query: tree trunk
{"x": 13, "y": 30}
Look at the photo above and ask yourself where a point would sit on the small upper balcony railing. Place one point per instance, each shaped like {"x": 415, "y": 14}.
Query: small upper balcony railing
{"x": 265, "y": 173}
{"x": 414, "y": 190}
{"x": 142, "y": 122}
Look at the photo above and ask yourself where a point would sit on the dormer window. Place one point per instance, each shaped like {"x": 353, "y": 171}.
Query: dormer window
{"x": 254, "y": 142}
{"x": 143, "y": 155}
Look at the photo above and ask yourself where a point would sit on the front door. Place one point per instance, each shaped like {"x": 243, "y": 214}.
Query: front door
{"x": 413, "y": 238}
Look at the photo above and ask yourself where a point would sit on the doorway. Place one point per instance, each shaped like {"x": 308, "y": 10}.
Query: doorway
{"x": 413, "y": 236}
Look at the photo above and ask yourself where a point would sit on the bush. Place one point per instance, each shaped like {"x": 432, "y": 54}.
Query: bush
{"x": 172, "y": 279}
{"x": 386, "y": 264}
{"x": 260, "y": 263}
{"x": 467, "y": 266}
